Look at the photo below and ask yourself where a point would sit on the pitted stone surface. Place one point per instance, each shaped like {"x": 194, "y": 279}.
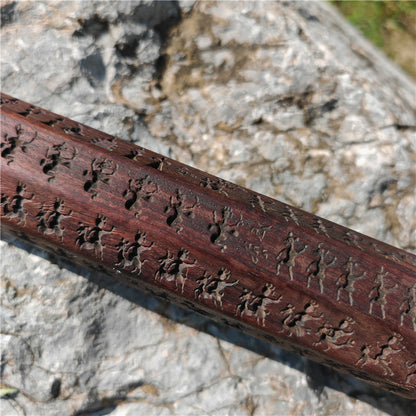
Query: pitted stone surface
{"x": 284, "y": 98}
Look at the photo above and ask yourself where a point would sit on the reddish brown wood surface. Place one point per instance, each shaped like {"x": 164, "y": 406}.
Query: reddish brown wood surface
{"x": 274, "y": 271}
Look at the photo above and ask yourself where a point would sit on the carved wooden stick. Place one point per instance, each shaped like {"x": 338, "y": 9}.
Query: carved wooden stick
{"x": 274, "y": 271}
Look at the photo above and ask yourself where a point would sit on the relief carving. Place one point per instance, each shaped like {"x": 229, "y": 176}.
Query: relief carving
{"x": 319, "y": 227}
{"x": 106, "y": 143}
{"x": 352, "y": 239}
{"x": 50, "y": 218}
{"x": 336, "y": 337}
{"x": 218, "y": 185}
{"x": 57, "y": 155}
{"x": 257, "y": 201}
{"x": 297, "y": 322}
{"x": 411, "y": 375}
{"x": 408, "y": 307}
{"x": 91, "y": 238}
{"x": 100, "y": 172}
{"x": 379, "y": 292}
{"x": 346, "y": 281}
{"x": 11, "y": 145}
{"x": 257, "y": 305}
{"x": 260, "y": 231}
{"x": 317, "y": 269}
{"x": 175, "y": 268}
{"x": 29, "y": 110}
{"x": 256, "y": 252}
{"x": 210, "y": 287}
{"x": 178, "y": 210}
{"x": 223, "y": 227}
{"x": 139, "y": 190}
{"x": 134, "y": 154}
{"x": 385, "y": 355}
{"x": 53, "y": 121}
{"x": 13, "y": 206}
{"x": 130, "y": 253}
{"x": 287, "y": 255}
{"x": 289, "y": 215}
{"x": 159, "y": 162}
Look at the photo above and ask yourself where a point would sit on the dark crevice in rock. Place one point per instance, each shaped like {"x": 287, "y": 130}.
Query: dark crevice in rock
{"x": 7, "y": 13}
{"x": 56, "y": 388}
{"x": 307, "y": 15}
{"x": 164, "y": 29}
{"x": 95, "y": 26}
{"x": 93, "y": 68}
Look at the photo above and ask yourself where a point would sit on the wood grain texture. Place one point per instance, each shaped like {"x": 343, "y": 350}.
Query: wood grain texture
{"x": 269, "y": 269}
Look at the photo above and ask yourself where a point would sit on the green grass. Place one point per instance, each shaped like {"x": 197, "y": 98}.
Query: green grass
{"x": 390, "y": 25}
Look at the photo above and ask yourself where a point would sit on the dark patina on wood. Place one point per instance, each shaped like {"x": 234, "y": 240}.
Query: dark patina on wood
{"x": 272, "y": 270}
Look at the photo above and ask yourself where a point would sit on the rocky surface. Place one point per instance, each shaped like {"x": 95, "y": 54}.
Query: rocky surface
{"x": 284, "y": 98}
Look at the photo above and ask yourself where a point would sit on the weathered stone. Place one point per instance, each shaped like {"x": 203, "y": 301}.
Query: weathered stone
{"x": 284, "y": 98}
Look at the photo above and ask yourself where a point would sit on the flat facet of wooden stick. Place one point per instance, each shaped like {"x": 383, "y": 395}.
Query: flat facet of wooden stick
{"x": 274, "y": 271}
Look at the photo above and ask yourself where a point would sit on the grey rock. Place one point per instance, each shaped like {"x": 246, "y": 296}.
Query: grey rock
{"x": 284, "y": 98}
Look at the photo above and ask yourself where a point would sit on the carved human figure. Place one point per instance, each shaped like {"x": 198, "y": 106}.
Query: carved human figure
{"x": 13, "y": 206}
{"x": 296, "y": 322}
{"x": 130, "y": 253}
{"x": 50, "y": 218}
{"x": 379, "y": 292}
{"x": 408, "y": 307}
{"x": 178, "y": 209}
{"x": 346, "y": 281}
{"x": 336, "y": 337}
{"x": 317, "y": 269}
{"x": 57, "y": 155}
{"x": 222, "y": 227}
{"x": 287, "y": 255}
{"x": 385, "y": 357}
{"x": 100, "y": 172}
{"x": 320, "y": 227}
{"x": 257, "y": 305}
{"x": 91, "y": 237}
{"x": 175, "y": 267}
{"x": 210, "y": 287}
{"x": 12, "y": 144}
{"x": 139, "y": 190}
{"x": 411, "y": 375}
{"x": 289, "y": 215}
